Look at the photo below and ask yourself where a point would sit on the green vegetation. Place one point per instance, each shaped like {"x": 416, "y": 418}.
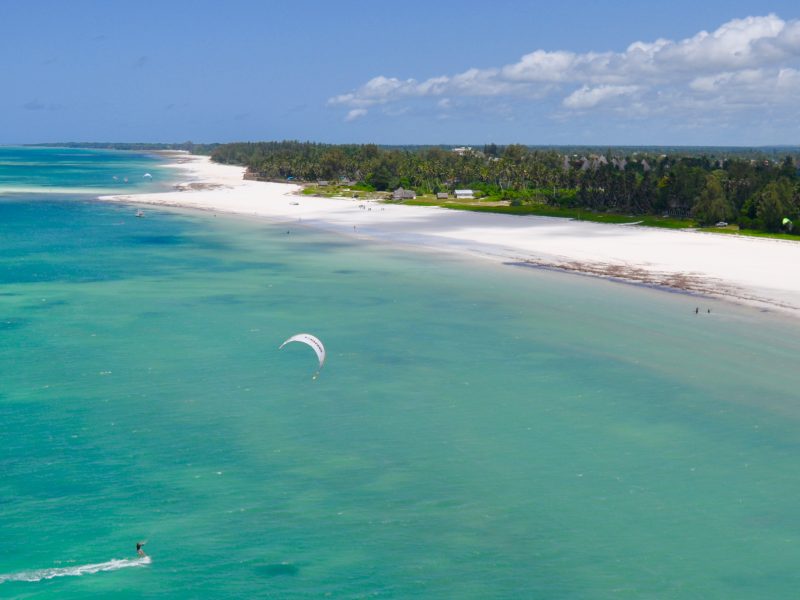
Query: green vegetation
{"x": 331, "y": 190}
{"x": 753, "y": 189}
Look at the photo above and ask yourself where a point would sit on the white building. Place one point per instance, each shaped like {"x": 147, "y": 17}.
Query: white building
{"x": 464, "y": 194}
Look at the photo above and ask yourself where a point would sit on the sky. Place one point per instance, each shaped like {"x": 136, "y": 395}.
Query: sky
{"x": 716, "y": 72}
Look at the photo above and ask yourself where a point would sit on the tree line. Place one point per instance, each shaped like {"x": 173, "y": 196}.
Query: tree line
{"x": 755, "y": 189}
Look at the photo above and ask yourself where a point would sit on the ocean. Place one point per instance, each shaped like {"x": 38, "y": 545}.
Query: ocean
{"x": 477, "y": 431}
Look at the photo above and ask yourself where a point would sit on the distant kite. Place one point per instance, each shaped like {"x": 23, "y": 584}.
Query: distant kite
{"x": 310, "y": 340}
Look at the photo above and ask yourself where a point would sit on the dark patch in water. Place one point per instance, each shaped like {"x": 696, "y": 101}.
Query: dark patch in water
{"x": 365, "y": 301}
{"x": 158, "y": 240}
{"x": 345, "y": 272}
{"x": 226, "y": 267}
{"x": 277, "y": 570}
{"x": 314, "y": 247}
{"x": 225, "y": 299}
{"x": 40, "y": 273}
{"x": 47, "y": 304}
{"x": 7, "y": 324}
{"x": 153, "y": 314}
{"x": 269, "y": 266}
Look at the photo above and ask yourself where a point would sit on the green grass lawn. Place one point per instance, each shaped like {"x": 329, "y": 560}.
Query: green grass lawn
{"x": 329, "y": 191}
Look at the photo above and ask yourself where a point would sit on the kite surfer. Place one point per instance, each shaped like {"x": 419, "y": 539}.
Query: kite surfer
{"x": 139, "y": 550}
{"x": 316, "y": 345}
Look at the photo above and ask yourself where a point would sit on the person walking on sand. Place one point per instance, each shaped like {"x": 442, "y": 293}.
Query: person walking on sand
{"x": 139, "y": 550}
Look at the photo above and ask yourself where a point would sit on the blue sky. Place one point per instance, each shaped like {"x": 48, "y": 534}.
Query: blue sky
{"x": 615, "y": 72}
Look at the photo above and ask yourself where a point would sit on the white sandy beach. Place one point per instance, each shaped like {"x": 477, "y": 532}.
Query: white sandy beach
{"x": 755, "y": 271}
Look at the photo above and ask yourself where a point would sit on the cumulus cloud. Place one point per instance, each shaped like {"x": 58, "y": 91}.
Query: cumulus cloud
{"x": 742, "y": 63}
{"x": 587, "y": 97}
{"x": 356, "y": 113}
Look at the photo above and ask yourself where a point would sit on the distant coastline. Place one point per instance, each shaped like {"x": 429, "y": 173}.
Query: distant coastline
{"x": 750, "y": 271}
{"x": 207, "y": 148}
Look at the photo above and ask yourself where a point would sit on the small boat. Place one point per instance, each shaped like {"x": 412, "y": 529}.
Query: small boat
{"x": 139, "y": 213}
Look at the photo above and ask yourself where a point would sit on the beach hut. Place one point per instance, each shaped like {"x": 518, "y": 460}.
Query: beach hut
{"x": 401, "y": 194}
{"x": 464, "y": 194}
{"x": 442, "y": 196}
{"x": 322, "y": 183}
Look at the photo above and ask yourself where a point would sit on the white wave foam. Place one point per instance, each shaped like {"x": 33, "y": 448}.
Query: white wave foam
{"x": 111, "y": 565}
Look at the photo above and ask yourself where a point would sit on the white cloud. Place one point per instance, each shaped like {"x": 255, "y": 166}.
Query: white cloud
{"x": 741, "y": 63}
{"x": 356, "y": 113}
{"x": 541, "y": 66}
{"x": 767, "y": 88}
{"x": 587, "y": 97}
{"x": 380, "y": 90}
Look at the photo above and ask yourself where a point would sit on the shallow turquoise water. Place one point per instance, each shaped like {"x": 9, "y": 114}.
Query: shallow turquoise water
{"x": 69, "y": 171}
{"x": 478, "y": 431}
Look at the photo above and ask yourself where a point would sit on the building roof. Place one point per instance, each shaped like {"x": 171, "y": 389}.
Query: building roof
{"x": 401, "y": 193}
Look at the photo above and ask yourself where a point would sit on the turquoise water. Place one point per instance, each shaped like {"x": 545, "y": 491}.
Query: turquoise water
{"x": 70, "y": 171}
{"x": 478, "y": 431}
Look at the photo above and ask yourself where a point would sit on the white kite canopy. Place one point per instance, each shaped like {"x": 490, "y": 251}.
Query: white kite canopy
{"x": 312, "y": 341}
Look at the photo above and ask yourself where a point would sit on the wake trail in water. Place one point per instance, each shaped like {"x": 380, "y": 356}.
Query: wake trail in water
{"x": 41, "y": 574}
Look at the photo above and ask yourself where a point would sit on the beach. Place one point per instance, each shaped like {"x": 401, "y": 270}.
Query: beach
{"x": 753, "y": 271}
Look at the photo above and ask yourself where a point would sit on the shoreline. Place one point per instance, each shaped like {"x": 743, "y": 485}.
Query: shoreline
{"x": 757, "y": 272}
